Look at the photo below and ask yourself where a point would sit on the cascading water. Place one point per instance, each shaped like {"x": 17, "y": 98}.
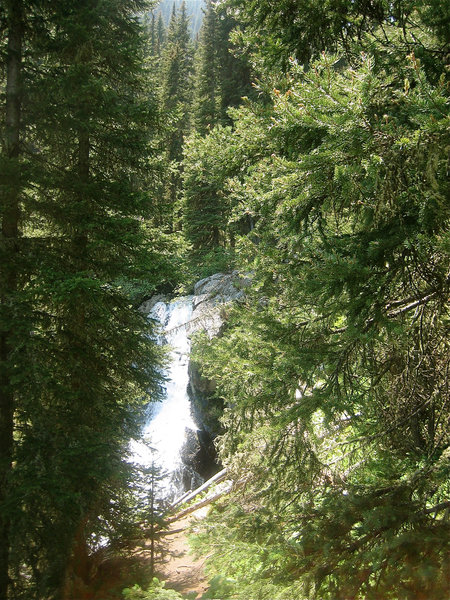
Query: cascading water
{"x": 169, "y": 419}
{"x": 170, "y": 430}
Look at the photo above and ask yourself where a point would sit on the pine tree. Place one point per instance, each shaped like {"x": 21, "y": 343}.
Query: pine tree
{"x": 335, "y": 369}
{"x": 152, "y": 34}
{"x": 206, "y": 102}
{"x": 73, "y": 383}
{"x": 221, "y": 79}
{"x": 220, "y": 82}
{"x": 212, "y": 176}
{"x": 176, "y": 77}
{"x": 160, "y": 35}
{"x": 176, "y": 71}
{"x": 152, "y": 507}
{"x": 235, "y": 76}
{"x": 302, "y": 29}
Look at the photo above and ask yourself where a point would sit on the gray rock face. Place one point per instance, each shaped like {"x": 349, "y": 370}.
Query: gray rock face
{"x": 210, "y": 300}
{"x": 147, "y": 306}
{"x": 226, "y": 286}
{"x": 211, "y": 295}
{"x": 205, "y": 406}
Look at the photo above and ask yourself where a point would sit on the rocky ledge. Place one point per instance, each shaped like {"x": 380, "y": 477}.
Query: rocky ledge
{"x": 210, "y": 300}
{"x": 211, "y": 295}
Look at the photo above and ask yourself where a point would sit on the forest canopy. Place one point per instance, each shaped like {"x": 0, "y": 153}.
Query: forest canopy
{"x": 304, "y": 144}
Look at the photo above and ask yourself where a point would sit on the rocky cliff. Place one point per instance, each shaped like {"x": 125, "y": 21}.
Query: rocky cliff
{"x": 211, "y": 297}
{"x": 210, "y": 300}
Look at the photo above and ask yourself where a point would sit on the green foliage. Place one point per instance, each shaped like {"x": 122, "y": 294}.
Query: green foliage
{"x": 221, "y": 77}
{"x": 206, "y": 100}
{"x": 221, "y": 80}
{"x": 149, "y": 512}
{"x": 156, "y": 591}
{"x": 159, "y": 266}
{"x": 83, "y": 361}
{"x": 334, "y": 373}
{"x": 194, "y": 10}
{"x": 175, "y": 98}
{"x": 176, "y": 81}
{"x": 220, "y": 587}
{"x": 205, "y": 212}
{"x": 332, "y": 191}
{"x": 278, "y": 32}
{"x": 213, "y": 166}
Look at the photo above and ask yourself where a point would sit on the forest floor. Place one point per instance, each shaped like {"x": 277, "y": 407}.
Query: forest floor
{"x": 178, "y": 567}
{"x": 175, "y": 565}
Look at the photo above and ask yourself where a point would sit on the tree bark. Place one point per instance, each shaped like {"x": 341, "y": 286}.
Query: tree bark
{"x": 76, "y": 579}
{"x": 10, "y": 194}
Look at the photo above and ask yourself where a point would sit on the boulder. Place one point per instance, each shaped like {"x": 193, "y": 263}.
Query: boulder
{"x": 147, "y": 306}
{"x": 211, "y": 295}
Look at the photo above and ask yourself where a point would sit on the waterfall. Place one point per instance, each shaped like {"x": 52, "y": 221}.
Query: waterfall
{"x": 169, "y": 419}
{"x": 170, "y": 428}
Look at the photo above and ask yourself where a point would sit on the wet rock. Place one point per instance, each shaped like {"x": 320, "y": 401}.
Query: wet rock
{"x": 146, "y": 307}
{"x": 206, "y": 407}
{"x": 199, "y": 457}
{"x": 211, "y": 295}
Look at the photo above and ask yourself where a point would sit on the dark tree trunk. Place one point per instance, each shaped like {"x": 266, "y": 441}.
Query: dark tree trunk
{"x": 80, "y": 239}
{"x": 10, "y": 193}
{"x": 75, "y": 581}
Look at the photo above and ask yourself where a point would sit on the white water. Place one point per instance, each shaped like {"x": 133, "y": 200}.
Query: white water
{"x": 165, "y": 431}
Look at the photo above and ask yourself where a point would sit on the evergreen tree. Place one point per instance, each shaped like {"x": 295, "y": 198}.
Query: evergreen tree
{"x": 152, "y": 507}
{"x": 176, "y": 74}
{"x": 193, "y": 10}
{"x": 221, "y": 78}
{"x": 176, "y": 77}
{"x": 160, "y": 35}
{"x": 335, "y": 370}
{"x": 205, "y": 214}
{"x": 152, "y": 34}
{"x": 11, "y": 186}
{"x": 172, "y": 26}
{"x": 235, "y": 77}
{"x": 206, "y": 102}
{"x": 213, "y": 216}
{"x": 287, "y": 29}
{"x": 77, "y": 365}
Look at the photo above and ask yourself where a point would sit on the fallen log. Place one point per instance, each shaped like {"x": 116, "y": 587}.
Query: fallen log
{"x": 198, "y": 505}
{"x": 190, "y": 495}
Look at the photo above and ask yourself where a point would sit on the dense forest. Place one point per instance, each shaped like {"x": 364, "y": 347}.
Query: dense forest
{"x": 194, "y": 10}
{"x": 302, "y": 143}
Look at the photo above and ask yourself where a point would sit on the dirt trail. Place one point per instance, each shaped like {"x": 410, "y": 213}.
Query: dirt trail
{"x": 179, "y": 568}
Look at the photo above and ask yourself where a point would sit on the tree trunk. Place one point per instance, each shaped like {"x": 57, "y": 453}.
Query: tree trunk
{"x": 80, "y": 239}
{"x": 8, "y": 279}
{"x": 152, "y": 524}
{"x": 76, "y": 579}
